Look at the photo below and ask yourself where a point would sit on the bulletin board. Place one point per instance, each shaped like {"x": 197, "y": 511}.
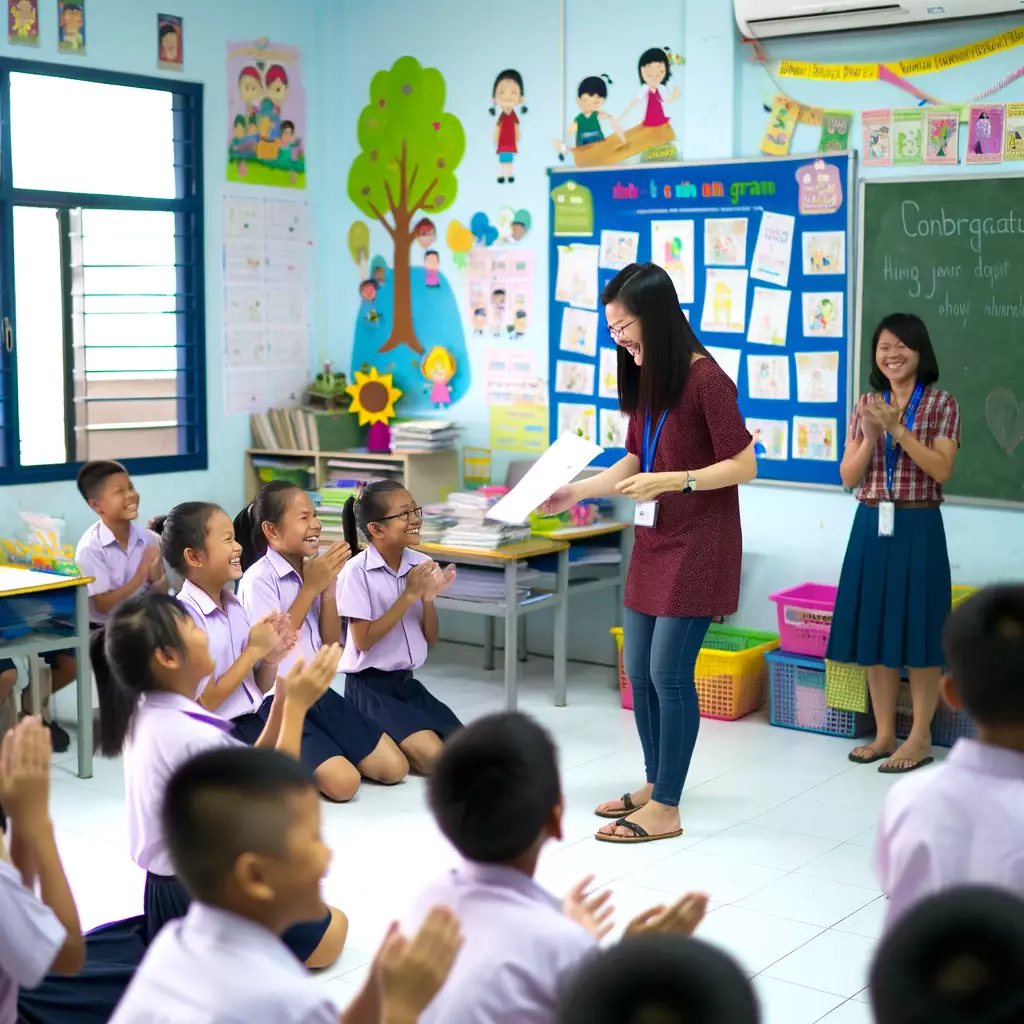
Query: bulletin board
{"x": 761, "y": 253}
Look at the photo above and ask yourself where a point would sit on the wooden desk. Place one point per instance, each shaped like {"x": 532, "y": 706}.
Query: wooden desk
{"x": 17, "y": 582}
{"x": 511, "y": 608}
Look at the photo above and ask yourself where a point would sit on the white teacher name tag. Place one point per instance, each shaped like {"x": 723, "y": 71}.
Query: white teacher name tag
{"x": 886, "y": 518}
{"x": 646, "y": 514}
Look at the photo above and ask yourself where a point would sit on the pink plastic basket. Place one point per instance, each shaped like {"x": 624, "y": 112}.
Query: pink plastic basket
{"x": 805, "y": 618}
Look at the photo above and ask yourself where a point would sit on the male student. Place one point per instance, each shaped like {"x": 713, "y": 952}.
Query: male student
{"x": 496, "y": 796}
{"x": 963, "y": 823}
{"x": 242, "y": 827}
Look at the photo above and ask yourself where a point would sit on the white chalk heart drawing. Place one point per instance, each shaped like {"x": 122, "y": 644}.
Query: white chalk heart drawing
{"x": 1004, "y": 414}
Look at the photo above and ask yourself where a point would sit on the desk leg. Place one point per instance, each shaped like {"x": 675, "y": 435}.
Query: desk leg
{"x": 488, "y": 643}
{"x": 523, "y": 655}
{"x": 511, "y": 634}
{"x": 84, "y": 683}
{"x": 561, "y": 626}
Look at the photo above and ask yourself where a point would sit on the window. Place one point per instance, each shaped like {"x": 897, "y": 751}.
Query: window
{"x": 101, "y": 272}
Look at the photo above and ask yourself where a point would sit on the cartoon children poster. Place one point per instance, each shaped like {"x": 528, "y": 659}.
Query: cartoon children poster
{"x": 585, "y": 129}
{"x": 23, "y": 22}
{"x": 507, "y": 94}
{"x": 655, "y": 71}
{"x": 266, "y": 115}
{"x": 170, "y": 44}
{"x": 439, "y": 368}
{"x": 71, "y": 26}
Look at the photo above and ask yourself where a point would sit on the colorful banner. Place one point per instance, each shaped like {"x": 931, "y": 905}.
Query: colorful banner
{"x": 914, "y": 66}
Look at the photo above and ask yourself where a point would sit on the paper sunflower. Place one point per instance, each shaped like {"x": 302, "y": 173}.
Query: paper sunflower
{"x": 373, "y": 396}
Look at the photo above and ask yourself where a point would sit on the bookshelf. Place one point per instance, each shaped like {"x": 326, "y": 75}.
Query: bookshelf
{"x": 428, "y": 476}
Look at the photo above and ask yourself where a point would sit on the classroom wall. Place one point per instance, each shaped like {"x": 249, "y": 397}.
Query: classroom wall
{"x": 790, "y": 534}
{"x": 121, "y": 36}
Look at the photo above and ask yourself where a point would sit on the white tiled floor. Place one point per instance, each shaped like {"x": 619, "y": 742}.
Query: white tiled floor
{"x": 779, "y": 827}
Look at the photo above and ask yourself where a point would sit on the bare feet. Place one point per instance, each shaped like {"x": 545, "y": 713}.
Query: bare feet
{"x": 656, "y": 819}
{"x": 909, "y": 754}
{"x": 616, "y": 807}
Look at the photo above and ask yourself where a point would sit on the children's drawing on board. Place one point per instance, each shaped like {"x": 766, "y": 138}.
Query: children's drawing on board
{"x": 267, "y": 115}
{"x": 170, "y": 45}
{"x": 507, "y": 94}
{"x": 71, "y": 26}
{"x": 23, "y": 22}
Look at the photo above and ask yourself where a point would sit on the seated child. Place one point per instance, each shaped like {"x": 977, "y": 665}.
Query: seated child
{"x": 955, "y": 958}
{"x": 496, "y": 795}
{"x": 36, "y": 934}
{"x": 660, "y": 979}
{"x": 243, "y": 833}
{"x": 386, "y": 594}
{"x": 284, "y": 573}
{"x": 963, "y": 823}
{"x": 149, "y": 661}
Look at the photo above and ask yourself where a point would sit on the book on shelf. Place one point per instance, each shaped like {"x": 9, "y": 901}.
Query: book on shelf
{"x": 423, "y": 435}
{"x": 291, "y": 429}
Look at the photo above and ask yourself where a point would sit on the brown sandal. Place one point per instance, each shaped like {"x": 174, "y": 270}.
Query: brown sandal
{"x": 640, "y": 834}
{"x": 627, "y": 803}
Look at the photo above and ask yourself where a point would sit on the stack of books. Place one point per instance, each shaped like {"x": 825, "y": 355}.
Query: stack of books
{"x": 466, "y": 525}
{"x": 423, "y": 436}
{"x": 489, "y": 584}
{"x": 288, "y": 429}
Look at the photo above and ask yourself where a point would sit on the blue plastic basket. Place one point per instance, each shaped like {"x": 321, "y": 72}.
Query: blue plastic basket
{"x": 797, "y": 688}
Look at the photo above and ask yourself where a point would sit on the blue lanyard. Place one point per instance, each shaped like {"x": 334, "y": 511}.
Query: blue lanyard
{"x": 892, "y": 450}
{"x": 650, "y": 447}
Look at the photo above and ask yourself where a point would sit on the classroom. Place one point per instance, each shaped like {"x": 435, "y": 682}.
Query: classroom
{"x": 374, "y": 261}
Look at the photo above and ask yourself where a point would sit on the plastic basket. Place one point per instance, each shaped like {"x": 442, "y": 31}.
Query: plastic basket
{"x": 299, "y": 475}
{"x": 846, "y": 687}
{"x": 625, "y": 687}
{"x": 730, "y": 673}
{"x": 798, "y": 698}
{"x": 948, "y": 725}
{"x": 961, "y": 593}
{"x": 805, "y": 618}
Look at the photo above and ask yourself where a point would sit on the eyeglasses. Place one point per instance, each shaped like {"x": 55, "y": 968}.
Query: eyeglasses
{"x": 409, "y": 513}
{"x": 617, "y": 332}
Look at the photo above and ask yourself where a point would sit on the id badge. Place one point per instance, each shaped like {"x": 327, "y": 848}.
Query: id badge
{"x": 646, "y": 514}
{"x": 886, "y": 518}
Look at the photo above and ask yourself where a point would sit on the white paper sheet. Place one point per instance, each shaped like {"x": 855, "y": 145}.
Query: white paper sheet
{"x": 558, "y": 466}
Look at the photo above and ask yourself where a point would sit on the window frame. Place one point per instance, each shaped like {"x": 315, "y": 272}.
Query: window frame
{"x": 191, "y": 274}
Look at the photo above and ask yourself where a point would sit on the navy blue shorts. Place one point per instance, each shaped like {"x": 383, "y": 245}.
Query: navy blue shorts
{"x": 334, "y": 727}
{"x": 165, "y": 899}
{"x": 402, "y": 704}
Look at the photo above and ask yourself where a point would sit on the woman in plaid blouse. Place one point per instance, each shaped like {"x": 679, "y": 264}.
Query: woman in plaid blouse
{"x": 894, "y": 591}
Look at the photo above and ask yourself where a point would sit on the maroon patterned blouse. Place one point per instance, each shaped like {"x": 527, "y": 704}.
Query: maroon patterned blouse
{"x": 689, "y": 564}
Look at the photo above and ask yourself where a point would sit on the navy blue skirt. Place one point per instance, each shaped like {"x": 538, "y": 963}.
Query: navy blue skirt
{"x": 895, "y": 593}
{"x": 334, "y": 727}
{"x": 401, "y": 703}
{"x": 112, "y": 953}
{"x": 167, "y": 899}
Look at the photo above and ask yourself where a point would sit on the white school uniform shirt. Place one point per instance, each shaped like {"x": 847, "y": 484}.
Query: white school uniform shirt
{"x": 958, "y": 824}
{"x": 213, "y": 967}
{"x": 167, "y": 730}
{"x": 31, "y": 936}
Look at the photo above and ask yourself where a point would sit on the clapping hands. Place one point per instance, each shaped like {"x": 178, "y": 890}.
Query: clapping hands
{"x": 273, "y": 637}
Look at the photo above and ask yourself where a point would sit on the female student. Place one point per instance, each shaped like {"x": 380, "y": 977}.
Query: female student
{"x": 285, "y": 573}
{"x": 386, "y": 593}
{"x": 687, "y": 450}
{"x": 894, "y": 590}
{"x": 149, "y": 661}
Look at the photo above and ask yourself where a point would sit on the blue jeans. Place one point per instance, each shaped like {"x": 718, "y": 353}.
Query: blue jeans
{"x": 659, "y": 655}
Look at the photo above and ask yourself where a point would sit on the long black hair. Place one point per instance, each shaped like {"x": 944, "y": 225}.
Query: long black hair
{"x": 122, "y": 653}
{"x": 185, "y": 526}
{"x": 655, "y": 55}
{"x": 510, "y": 75}
{"x": 267, "y": 507}
{"x": 594, "y": 85}
{"x": 912, "y": 332}
{"x": 369, "y": 507}
{"x": 645, "y": 291}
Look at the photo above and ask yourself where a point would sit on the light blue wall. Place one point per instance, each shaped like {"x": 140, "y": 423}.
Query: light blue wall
{"x": 120, "y": 35}
{"x": 790, "y": 535}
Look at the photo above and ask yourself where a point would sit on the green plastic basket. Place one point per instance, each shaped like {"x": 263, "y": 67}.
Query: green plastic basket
{"x": 846, "y": 687}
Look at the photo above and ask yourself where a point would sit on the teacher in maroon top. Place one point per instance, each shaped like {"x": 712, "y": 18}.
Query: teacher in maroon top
{"x": 687, "y": 450}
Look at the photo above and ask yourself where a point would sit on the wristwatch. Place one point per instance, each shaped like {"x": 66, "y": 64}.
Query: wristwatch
{"x": 689, "y": 484}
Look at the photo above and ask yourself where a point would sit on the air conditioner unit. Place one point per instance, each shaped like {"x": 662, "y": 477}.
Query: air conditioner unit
{"x": 766, "y": 19}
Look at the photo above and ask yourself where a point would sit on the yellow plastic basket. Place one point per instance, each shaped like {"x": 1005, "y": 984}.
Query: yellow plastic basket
{"x": 731, "y": 671}
{"x": 961, "y": 593}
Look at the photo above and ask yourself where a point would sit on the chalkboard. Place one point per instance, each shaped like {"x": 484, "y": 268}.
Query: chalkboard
{"x": 951, "y": 250}
{"x": 760, "y": 252}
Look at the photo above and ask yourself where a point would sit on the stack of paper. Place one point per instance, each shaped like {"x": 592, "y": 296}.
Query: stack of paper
{"x": 489, "y": 584}
{"x": 423, "y": 436}
{"x": 485, "y": 537}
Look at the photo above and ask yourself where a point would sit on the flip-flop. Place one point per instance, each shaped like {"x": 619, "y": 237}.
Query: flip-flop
{"x": 876, "y": 756}
{"x": 903, "y": 771}
{"x": 627, "y": 803}
{"x": 640, "y": 834}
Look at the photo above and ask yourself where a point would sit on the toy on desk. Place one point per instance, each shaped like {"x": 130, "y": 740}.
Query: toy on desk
{"x": 328, "y": 389}
{"x": 41, "y": 549}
